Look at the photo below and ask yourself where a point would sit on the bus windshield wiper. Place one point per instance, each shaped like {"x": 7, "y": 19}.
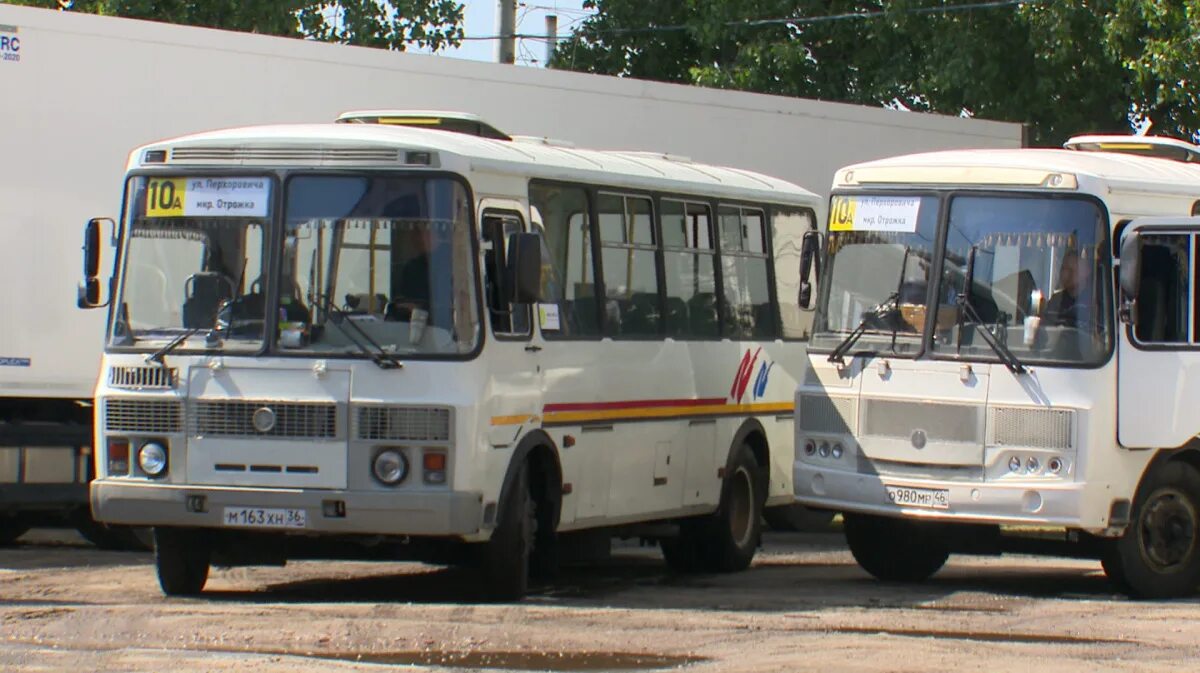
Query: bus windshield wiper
{"x": 157, "y": 355}
{"x": 382, "y": 358}
{"x": 886, "y": 306}
{"x": 965, "y": 307}
{"x": 1010, "y": 359}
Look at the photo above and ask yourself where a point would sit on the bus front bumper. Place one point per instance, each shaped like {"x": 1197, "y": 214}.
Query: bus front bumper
{"x": 334, "y": 512}
{"x": 1044, "y": 503}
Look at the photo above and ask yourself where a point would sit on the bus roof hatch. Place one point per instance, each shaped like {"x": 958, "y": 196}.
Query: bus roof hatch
{"x": 456, "y": 122}
{"x": 1147, "y": 146}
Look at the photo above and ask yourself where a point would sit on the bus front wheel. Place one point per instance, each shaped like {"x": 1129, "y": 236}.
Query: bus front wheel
{"x": 894, "y": 550}
{"x": 1159, "y": 554}
{"x": 506, "y": 556}
{"x": 181, "y": 557}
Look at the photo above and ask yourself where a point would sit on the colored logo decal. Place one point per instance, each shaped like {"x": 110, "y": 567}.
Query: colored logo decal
{"x": 760, "y": 383}
{"x": 745, "y": 371}
{"x": 14, "y": 362}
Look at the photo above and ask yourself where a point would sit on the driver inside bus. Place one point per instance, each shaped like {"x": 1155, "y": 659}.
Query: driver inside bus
{"x": 412, "y": 290}
{"x": 1070, "y": 305}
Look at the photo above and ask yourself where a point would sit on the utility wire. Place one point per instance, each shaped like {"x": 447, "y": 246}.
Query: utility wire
{"x": 801, "y": 20}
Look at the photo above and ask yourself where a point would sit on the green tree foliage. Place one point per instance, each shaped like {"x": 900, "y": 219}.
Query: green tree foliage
{"x": 1061, "y": 66}
{"x": 392, "y": 24}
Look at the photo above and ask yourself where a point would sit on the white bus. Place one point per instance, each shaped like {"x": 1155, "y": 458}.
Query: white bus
{"x": 481, "y": 346}
{"x": 970, "y": 378}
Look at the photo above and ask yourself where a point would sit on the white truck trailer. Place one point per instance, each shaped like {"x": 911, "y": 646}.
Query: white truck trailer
{"x": 81, "y": 90}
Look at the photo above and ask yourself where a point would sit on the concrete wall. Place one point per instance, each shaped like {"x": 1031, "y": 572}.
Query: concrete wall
{"x": 87, "y": 89}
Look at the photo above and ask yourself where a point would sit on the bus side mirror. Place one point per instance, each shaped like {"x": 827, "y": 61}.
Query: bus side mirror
{"x": 1130, "y": 275}
{"x": 89, "y": 289}
{"x": 1131, "y": 258}
{"x": 524, "y": 269}
{"x": 810, "y": 247}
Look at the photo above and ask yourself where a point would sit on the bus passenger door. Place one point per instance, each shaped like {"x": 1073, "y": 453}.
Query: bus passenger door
{"x": 1159, "y": 343}
{"x": 512, "y": 399}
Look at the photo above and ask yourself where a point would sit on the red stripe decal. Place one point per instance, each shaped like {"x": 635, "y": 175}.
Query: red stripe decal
{"x": 745, "y": 378}
{"x": 738, "y": 376}
{"x": 630, "y": 404}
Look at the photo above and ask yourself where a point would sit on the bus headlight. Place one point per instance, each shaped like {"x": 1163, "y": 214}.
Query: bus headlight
{"x": 152, "y": 458}
{"x": 390, "y": 467}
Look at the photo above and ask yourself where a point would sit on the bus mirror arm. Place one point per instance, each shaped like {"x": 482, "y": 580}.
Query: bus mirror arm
{"x": 89, "y": 289}
{"x": 524, "y": 268}
{"x": 810, "y": 247}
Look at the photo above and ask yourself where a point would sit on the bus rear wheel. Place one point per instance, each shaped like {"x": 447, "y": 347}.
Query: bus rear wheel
{"x": 1159, "y": 554}
{"x": 726, "y": 540}
{"x": 181, "y": 557}
{"x": 894, "y": 550}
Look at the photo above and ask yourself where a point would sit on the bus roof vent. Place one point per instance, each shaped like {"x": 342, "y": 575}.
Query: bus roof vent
{"x": 1147, "y": 146}
{"x": 677, "y": 158}
{"x": 543, "y": 140}
{"x": 455, "y": 122}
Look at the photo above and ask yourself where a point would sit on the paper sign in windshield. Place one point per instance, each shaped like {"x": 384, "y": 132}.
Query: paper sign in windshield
{"x": 874, "y": 213}
{"x": 208, "y": 197}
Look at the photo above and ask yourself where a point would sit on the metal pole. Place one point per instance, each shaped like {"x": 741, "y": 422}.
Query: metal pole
{"x": 506, "y": 24}
{"x": 551, "y": 36}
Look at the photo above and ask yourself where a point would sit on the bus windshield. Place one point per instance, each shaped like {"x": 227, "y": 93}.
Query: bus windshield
{"x": 879, "y": 255}
{"x": 193, "y": 260}
{"x": 378, "y": 262}
{"x": 1039, "y": 278}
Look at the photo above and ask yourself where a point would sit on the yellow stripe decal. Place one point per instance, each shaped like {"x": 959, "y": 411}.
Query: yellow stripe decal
{"x": 567, "y": 417}
{"x": 510, "y": 420}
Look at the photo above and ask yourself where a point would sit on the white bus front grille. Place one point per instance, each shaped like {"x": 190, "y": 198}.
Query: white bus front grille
{"x": 413, "y": 424}
{"x": 959, "y": 423}
{"x": 831, "y": 415}
{"x": 236, "y": 418}
{"x": 1037, "y": 428}
{"x": 143, "y": 416}
{"x": 143, "y": 378}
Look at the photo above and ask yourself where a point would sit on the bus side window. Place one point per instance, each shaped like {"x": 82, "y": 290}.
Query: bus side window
{"x": 628, "y": 255}
{"x": 1165, "y": 298}
{"x": 690, "y": 272}
{"x": 748, "y": 311}
{"x": 507, "y": 319}
{"x": 787, "y": 237}
{"x": 568, "y": 236}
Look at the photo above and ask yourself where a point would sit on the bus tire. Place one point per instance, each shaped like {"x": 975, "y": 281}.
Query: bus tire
{"x": 725, "y": 541}
{"x": 507, "y": 554}
{"x": 11, "y": 528}
{"x": 894, "y": 550}
{"x": 1159, "y": 554}
{"x": 798, "y": 518}
{"x": 736, "y": 528}
{"x": 181, "y": 557}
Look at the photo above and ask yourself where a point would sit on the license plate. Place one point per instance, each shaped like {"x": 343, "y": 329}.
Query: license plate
{"x": 260, "y": 517}
{"x": 908, "y": 496}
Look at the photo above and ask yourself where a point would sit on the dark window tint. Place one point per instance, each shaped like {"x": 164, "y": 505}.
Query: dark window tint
{"x": 1164, "y": 300}
{"x": 507, "y": 318}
